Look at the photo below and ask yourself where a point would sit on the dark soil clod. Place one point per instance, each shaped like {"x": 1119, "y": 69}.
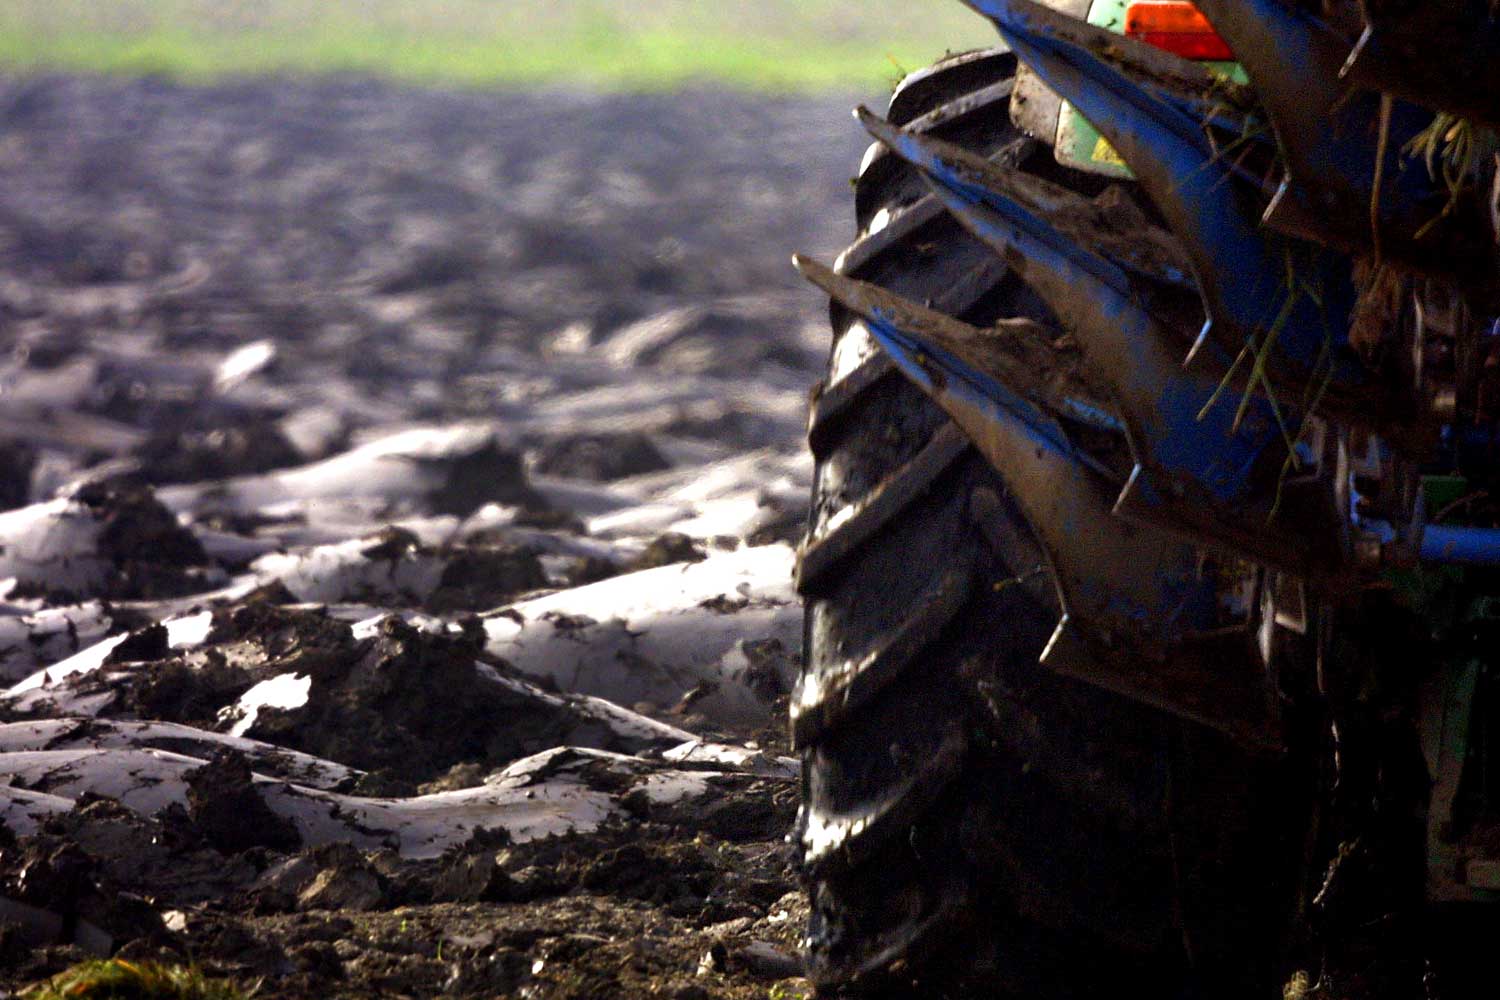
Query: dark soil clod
{"x": 600, "y": 457}
{"x": 225, "y": 806}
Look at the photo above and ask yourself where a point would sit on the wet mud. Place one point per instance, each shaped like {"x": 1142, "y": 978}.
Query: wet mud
{"x": 397, "y": 494}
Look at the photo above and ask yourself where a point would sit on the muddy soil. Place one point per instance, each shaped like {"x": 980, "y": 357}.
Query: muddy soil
{"x": 397, "y": 493}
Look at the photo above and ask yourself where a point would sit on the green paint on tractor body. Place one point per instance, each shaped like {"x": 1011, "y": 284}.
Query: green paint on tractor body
{"x": 1078, "y": 144}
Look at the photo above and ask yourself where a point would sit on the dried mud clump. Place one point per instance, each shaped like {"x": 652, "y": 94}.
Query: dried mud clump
{"x": 345, "y": 880}
{"x": 668, "y": 550}
{"x": 225, "y": 807}
{"x": 60, "y": 901}
{"x": 193, "y": 455}
{"x": 143, "y": 540}
{"x": 246, "y": 645}
{"x": 132, "y": 548}
{"x": 489, "y": 473}
{"x": 600, "y": 457}
{"x": 475, "y": 577}
{"x": 408, "y": 706}
{"x": 18, "y": 459}
{"x": 478, "y": 578}
{"x": 178, "y": 692}
{"x": 167, "y": 856}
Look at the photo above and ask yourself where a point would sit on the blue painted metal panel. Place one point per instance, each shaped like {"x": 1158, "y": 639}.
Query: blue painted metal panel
{"x": 1256, "y": 285}
{"x": 1462, "y": 546}
{"x": 1186, "y": 428}
{"x": 1336, "y": 160}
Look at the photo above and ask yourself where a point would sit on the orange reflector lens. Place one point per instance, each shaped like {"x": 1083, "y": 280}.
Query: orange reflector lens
{"x": 1176, "y": 26}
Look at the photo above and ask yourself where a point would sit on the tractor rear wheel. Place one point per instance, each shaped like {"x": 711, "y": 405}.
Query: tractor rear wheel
{"x": 969, "y": 820}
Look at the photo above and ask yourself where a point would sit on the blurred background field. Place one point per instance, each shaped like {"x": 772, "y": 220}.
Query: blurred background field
{"x": 777, "y": 45}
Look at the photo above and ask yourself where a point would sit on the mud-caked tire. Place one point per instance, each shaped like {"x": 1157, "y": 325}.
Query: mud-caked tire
{"x": 972, "y": 824}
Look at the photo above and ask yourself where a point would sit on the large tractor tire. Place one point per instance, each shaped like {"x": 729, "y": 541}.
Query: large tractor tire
{"x": 971, "y": 823}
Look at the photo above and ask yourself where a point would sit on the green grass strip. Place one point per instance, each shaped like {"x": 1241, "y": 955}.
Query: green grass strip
{"x": 776, "y": 45}
{"x": 118, "y": 979}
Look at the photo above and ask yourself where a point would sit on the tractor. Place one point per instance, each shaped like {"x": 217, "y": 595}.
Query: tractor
{"x": 1152, "y": 641}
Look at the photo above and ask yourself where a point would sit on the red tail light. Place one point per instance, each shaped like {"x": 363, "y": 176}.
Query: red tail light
{"x": 1176, "y": 26}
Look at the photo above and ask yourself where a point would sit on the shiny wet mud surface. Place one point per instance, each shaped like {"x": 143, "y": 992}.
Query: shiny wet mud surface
{"x": 395, "y": 530}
